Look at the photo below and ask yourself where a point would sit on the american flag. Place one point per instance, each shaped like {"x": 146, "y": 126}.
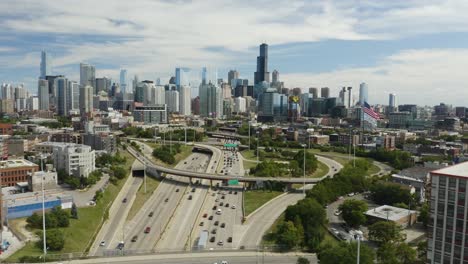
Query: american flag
{"x": 368, "y": 110}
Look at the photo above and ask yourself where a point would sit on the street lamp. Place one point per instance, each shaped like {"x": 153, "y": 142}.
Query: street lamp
{"x": 258, "y": 143}
{"x": 249, "y": 134}
{"x": 358, "y": 238}
{"x": 303, "y": 188}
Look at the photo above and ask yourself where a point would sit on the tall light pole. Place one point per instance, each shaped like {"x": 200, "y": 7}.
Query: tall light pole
{"x": 1, "y": 210}
{"x": 303, "y": 188}
{"x": 258, "y": 143}
{"x": 354, "y": 152}
{"x": 249, "y": 134}
{"x": 43, "y": 211}
{"x": 358, "y": 238}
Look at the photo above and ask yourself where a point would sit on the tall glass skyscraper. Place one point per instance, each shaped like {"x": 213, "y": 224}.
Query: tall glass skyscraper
{"x": 88, "y": 76}
{"x": 123, "y": 81}
{"x": 363, "y": 93}
{"x": 46, "y": 65}
{"x": 262, "y": 73}
{"x": 182, "y": 77}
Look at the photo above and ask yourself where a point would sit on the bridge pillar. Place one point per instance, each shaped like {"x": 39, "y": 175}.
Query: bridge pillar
{"x": 190, "y": 180}
{"x": 289, "y": 186}
{"x": 211, "y": 183}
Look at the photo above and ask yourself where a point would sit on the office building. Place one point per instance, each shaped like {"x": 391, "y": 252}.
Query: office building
{"x": 86, "y": 100}
{"x": 143, "y": 92}
{"x": 76, "y": 159}
{"x": 399, "y": 119}
{"x": 211, "y": 100}
{"x": 53, "y": 90}
{"x": 272, "y": 106}
{"x": 184, "y": 100}
{"x": 182, "y": 77}
{"x": 447, "y": 240}
{"x": 275, "y": 76}
{"x": 16, "y": 170}
{"x": 73, "y": 93}
{"x": 8, "y": 92}
{"x": 88, "y": 76}
{"x": 123, "y": 81}
{"x": 103, "y": 84}
{"x": 325, "y": 92}
{"x": 239, "y": 105}
{"x": 172, "y": 101}
{"x": 392, "y": 101}
{"x": 43, "y": 94}
{"x": 232, "y": 74}
{"x": 227, "y": 90}
{"x": 151, "y": 114}
{"x": 62, "y": 96}
{"x": 304, "y": 101}
{"x": 196, "y": 105}
{"x": 314, "y": 92}
{"x": 7, "y": 106}
{"x": 363, "y": 93}
{"x": 460, "y": 111}
{"x": 350, "y": 95}
{"x": 46, "y": 65}
{"x": 32, "y": 103}
{"x": 262, "y": 74}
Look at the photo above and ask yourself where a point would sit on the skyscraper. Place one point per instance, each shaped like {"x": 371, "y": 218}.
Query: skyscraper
{"x": 73, "y": 94}
{"x": 43, "y": 93}
{"x": 62, "y": 89}
{"x": 46, "y": 65}
{"x": 88, "y": 76}
{"x": 86, "y": 100}
{"x": 182, "y": 77}
{"x": 275, "y": 76}
{"x": 158, "y": 95}
{"x": 325, "y": 92}
{"x": 262, "y": 74}
{"x": 172, "y": 101}
{"x": 232, "y": 74}
{"x": 184, "y": 100}
{"x": 314, "y": 92}
{"x": 363, "y": 93}
{"x": 123, "y": 81}
{"x": 103, "y": 84}
{"x": 447, "y": 226}
{"x": 211, "y": 101}
{"x": 392, "y": 100}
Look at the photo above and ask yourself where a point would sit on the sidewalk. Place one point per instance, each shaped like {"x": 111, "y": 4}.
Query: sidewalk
{"x": 15, "y": 244}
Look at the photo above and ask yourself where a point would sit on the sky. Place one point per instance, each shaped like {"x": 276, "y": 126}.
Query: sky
{"x": 415, "y": 49}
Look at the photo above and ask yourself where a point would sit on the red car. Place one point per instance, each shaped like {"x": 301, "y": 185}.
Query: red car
{"x": 147, "y": 229}
{"x": 205, "y": 215}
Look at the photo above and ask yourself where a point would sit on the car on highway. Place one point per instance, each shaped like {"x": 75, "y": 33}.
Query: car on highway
{"x": 223, "y": 225}
{"x": 102, "y": 244}
{"x": 121, "y": 245}
{"x": 190, "y": 197}
{"x": 233, "y": 207}
{"x": 216, "y": 223}
{"x": 124, "y": 200}
{"x": 202, "y": 223}
{"x": 151, "y": 214}
{"x": 167, "y": 199}
{"x": 177, "y": 190}
{"x": 220, "y": 243}
{"x": 221, "y": 204}
{"x": 210, "y": 218}
{"x": 227, "y": 205}
{"x": 134, "y": 238}
{"x": 205, "y": 215}
{"x": 215, "y": 207}
{"x": 229, "y": 240}
{"x": 147, "y": 229}
{"x": 213, "y": 231}
{"x": 212, "y": 239}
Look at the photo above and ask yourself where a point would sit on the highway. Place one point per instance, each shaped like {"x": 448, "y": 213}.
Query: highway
{"x": 261, "y": 220}
{"x": 234, "y": 257}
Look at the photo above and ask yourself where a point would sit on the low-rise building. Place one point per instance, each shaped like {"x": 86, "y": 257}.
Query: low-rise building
{"x": 155, "y": 114}
{"x": 48, "y": 178}
{"x": 16, "y": 170}
{"x": 400, "y": 216}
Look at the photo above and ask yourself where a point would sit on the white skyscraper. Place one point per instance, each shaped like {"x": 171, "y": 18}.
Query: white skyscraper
{"x": 43, "y": 94}
{"x": 8, "y": 92}
{"x": 46, "y": 65}
{"x": 211, "y": 101}
{"x": 185, "y": 100}
{"x": 88, "y": 76}
{"x": 239, "y": 105}
{"x": 392, "y": 100}
{"x": 86, "y": 100}
{"x": 73, "y": 94}
{"x": 172, "y": 101}
{"x": 158, "y": 95}
{"x": 363, "y": 93}
{"x": 123, "y": 81}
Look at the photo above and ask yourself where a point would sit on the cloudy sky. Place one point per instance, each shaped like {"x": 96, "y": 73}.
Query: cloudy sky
{"x": 416, "y": 49}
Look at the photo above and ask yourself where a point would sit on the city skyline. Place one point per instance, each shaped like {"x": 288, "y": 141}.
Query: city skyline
{"x": 393, "y": 54}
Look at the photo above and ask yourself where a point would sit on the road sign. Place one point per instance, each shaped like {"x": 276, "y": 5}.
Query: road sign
{"x": 233, "y": 182}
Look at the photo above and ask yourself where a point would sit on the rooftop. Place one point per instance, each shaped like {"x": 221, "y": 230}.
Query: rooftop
{"x": 389, "y": 212}
{"x": 458, "y": 170}
{"x": 15, "y": 163}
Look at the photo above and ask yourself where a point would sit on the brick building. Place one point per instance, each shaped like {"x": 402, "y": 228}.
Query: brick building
{"x": 17, "y": 170}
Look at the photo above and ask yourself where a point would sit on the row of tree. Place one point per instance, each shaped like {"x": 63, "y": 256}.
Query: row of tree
{"x": 57, "y": 217}
{"x": 167, "y": 153}
{"x": 295, "y": 167}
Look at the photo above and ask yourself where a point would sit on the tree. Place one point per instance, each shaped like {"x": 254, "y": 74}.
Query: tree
{"x": 287, "y": 235}
{"x": 98, "y": 195}
{"x": 390, "y": 193}
{"x": 302, "y": 260}
{"x": 424, "y": 214}
{"x": 62, "y": 216}
{"x": 397, "y": 253}
{"x": 345, "y": 253}
{"x": 55, "y": 239}
{"x": 34, "y": 220}
{"x": 353, "y": 212}
{"x": 311, "y": 162}
{"x": 74, "y": 211}
{"x": 385, "y": 232}
{"x": 119, "y": 172}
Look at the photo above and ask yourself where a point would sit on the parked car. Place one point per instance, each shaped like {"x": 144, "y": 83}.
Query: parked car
{"x": 167, "y": 199}
{"x": 205, "y": 215}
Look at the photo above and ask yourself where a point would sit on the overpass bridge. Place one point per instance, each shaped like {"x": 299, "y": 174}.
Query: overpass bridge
{"x": 154, "y": 169}
{"x": 226, "y": 135}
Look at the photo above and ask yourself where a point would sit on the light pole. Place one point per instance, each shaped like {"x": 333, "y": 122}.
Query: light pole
{"x": 144, "y": 171}
{"x": 43, "y": 216}
{"x": 1, "y": 210}
{"x": 358, "y": 238}
{"x": 354, "y": 152}
{"x": 303, "y": 187}
{"x": 258, "y": 143}
{"x": 249, "y": 134}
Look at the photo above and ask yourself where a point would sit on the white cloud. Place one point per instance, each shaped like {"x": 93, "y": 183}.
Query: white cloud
{"x": 425, "y": 77}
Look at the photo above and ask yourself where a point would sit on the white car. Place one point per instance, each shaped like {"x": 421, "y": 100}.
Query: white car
{"x": 103, "y": 243}
{"x": 224, "y": 262}
{"x": 233, "y": 207}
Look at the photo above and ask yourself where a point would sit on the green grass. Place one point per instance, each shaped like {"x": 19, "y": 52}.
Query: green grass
{"x": 141, "y": 197}
{"x": 321, "y": 171}
{"x": 373, "y": 169}
{"x": 255, "y": 199}
{"x": 81, "y": 231}
{"x": 249, "y": 154}
{"x": 186, "y": 150}
{"x": 249, "y": 165}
